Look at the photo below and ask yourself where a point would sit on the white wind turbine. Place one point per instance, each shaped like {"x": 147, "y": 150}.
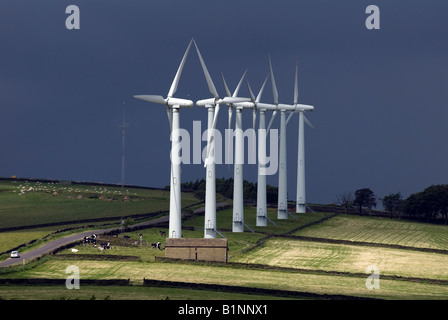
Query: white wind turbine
{"x": 238, "y": 192}
{"x": 257, "y": 106}
{"x": 282, "y": 210}
{"x": 172, "y": 107}
{"x": 261, "y": 211}
{"x": 300, "y": 108}
{"x": 238, "y": 181}
{"x": 213, "y": 108}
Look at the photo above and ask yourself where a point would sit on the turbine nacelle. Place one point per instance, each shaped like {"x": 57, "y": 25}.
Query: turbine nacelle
{"x": 169, "y": 102}
{"x": 211, "y": 102}
{"x": 295, "y": 107}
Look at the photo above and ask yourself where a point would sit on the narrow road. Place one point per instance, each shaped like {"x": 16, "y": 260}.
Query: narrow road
{"x": 55, "y": 244}
{"x": 50, "y": 246}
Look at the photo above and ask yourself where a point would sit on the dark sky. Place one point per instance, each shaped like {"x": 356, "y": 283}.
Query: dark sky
{"x": 380, "y": 96}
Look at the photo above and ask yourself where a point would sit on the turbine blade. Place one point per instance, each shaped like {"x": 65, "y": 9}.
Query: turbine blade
{"x": 308, "y": 122}
{"x": 289, "y": 117}
{"x": 226, "y": 88}
{"x": 254, "y": 118}
{"x": 211, "y": 86}
{"x": 215, "y": 117}
{"x": 151, "y": 98}
{"x": 179, "y": 72}
{"x": 296, "y": 83}
{"x": 228, "y": 134}
{"x": 212, "y": 136}
{"x": 230, "y": 118}
{"x": 170, "y": 118}
{"x": 261, "y": 90}
{"x": 252, "y": 97}
{"x": 235, "y": 93}
{"x": 274, "y": 86}
{"x": 270, "y": 122}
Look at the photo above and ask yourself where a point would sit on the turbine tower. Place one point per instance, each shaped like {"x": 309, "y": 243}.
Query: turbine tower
{"x": 282, "y": 203}
{"x": 209, "y": 163}
{"x": 261, "y": 211}
{"x": 172, "y": 107}
{"x": 238, "y": 192}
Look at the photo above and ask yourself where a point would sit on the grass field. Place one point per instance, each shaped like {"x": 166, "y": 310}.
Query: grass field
{"x": 222, "y": 275}
{"x": 281, "y": 262}
{"x": 381, "y": 230}
{"x": 347, "y": 258}
{"x": 119, "y": 293}
{"x": 28, "y": 203}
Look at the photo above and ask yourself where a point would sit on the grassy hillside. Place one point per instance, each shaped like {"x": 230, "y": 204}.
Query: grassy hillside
{"x": 348, "y": 258}
{"x": 24, "y": 203}
{"x": 381, "y": 230}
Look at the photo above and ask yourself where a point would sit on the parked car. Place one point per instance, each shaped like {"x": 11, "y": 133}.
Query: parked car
{"x": 15, "y": 254}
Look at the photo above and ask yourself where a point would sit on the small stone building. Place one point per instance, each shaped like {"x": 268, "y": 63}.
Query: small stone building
{"x": 201, "y": 249}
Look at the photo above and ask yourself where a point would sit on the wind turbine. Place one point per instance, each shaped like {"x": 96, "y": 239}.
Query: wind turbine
{"x": 172, "y": 107}
{"x": 300, "y": 196}
{"x": 282, "y": 207}
{"x": 213, "y": 108}
{"x": 257, "y": 106}
{"x": 238, "y": 181}
{"x": 261, "y": 211}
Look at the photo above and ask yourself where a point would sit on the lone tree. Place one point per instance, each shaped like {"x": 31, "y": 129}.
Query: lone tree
{"x": 364, "y": 198}
{"x": 393, "y": 203}
{"x": 345, "y": 200}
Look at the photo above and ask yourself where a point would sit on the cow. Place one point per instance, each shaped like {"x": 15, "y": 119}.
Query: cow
{"x": 156, "y": 245}
{"x": 105, "y": 245}
{"x": 162, "y": 233}
{"x": 90, "y": 239}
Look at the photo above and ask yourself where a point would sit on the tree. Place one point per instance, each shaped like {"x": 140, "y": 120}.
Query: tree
{"x": 364, "y": 198}
{"x": 429, "y": 204}
{"x": 128, "y": 222}
{"x": 345, "y": 200}
{"x": 393, "y": 203}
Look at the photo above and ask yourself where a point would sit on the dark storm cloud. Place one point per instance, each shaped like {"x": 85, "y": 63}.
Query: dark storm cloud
{"x": 379, "y": 95}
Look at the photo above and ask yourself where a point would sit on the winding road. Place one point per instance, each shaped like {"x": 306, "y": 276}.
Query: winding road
{"x": 53, "y": 245}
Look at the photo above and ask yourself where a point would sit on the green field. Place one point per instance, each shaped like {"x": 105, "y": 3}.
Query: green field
{"x": 346, "y": 258}
{"x": 29, "y": 203}
{"x": 381, "y": 230}
{"x": 277, "y": 257}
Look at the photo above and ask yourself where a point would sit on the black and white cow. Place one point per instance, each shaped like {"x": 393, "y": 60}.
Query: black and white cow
{"x": 90, "y": 239}
{"x": 156, "y": 245}
{"x": 105, "y": 245}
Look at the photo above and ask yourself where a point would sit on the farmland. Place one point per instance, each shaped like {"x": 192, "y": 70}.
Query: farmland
{"x": 25, "y": 202}
{"x": 381, "y": 230}
{"x": 315, "y": 255}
